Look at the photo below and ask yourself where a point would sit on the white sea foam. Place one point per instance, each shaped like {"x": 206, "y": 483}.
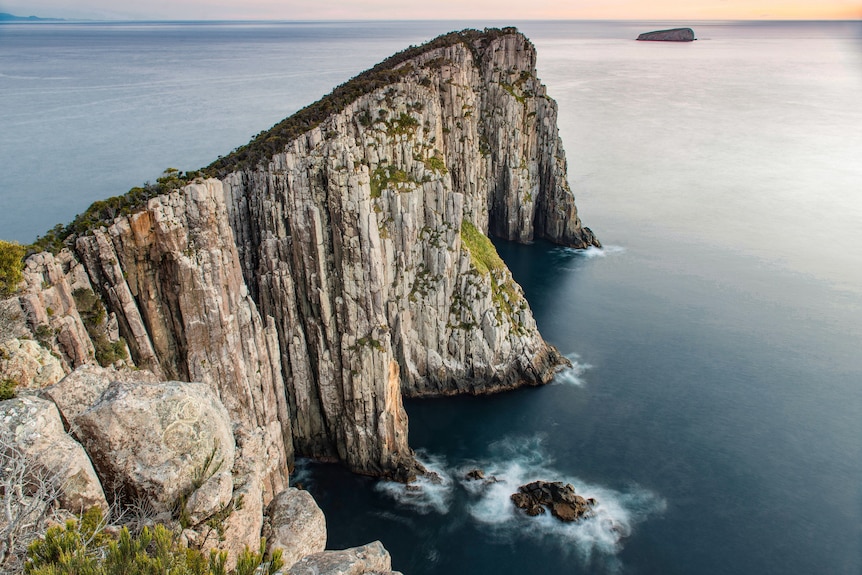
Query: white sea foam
{"x": 572, "y": 375}
{"x": 427, "y": 493}
{"x": 302, "y": 474}
{"x": 518, "y": 461}
{"x": 594, "y": 252}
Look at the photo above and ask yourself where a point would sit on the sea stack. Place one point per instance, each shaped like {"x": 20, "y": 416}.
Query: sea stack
{"x": 672, "y": 35}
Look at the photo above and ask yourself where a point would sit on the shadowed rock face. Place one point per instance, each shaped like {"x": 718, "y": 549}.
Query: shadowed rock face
{"x": 313, "y": 290}
{"x": 672, "y": 35}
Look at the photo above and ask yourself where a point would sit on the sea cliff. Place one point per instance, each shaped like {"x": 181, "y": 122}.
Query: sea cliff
{"x": 337, "y": 263}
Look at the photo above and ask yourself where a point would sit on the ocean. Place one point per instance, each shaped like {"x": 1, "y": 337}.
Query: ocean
{"x": 715, "y": 404}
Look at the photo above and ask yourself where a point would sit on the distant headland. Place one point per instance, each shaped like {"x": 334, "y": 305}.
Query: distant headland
{"x": 6, "y": 17}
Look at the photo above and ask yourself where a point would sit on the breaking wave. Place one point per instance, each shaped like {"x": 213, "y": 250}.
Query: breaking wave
{"x": 512, "y": 462}
{"x": 431, "y": 493}
{"x": 572, "y": 375}
{"x": 594, "y": 252}
{"x": 516, "y": 461}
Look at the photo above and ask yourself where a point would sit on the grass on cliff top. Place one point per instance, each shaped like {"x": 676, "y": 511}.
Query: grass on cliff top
{"x": 272, "y": 141}
{"x": 483, "y": 254}
{"x": 103, "y": 212}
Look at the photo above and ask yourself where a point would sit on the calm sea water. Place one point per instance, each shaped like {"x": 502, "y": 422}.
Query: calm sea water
{"x": 715, "y": 409}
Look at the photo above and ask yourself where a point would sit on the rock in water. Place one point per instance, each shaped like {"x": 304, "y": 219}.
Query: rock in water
{"x": 672, "y": 35}
{"x": 560, "y": 498}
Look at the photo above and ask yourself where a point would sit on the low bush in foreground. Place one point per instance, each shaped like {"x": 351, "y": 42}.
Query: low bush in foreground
{"x": 84, "y": 547}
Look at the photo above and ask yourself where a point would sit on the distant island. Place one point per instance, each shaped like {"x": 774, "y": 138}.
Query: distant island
{"x": 672, "y": 35}
{"x": 6, "y": 17}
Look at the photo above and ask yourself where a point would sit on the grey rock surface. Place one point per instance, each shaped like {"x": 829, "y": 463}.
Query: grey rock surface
{"x": 33, "y": 426}
{"x": 150, "y": 441}
{"x": 295, "y": 524}
{"x": 367, "y": 559}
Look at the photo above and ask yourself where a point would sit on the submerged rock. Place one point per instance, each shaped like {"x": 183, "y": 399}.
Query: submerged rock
{"x": 671, "y": 35}
{"x": 558, "y": 497}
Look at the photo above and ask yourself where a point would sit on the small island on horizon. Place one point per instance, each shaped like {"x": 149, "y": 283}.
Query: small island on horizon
{"x": 671, "y": 35}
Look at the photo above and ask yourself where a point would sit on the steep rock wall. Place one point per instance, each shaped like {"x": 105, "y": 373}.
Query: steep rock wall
{"x": 353, "y": 240}
{"x": 171, "y": 274}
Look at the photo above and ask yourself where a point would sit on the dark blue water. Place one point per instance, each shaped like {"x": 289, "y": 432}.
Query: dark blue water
{"x": 716, "y": 406}
{"x": 714, "y": 419}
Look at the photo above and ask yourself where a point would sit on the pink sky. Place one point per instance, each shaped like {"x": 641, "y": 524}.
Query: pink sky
{"x": 438, "y": 9}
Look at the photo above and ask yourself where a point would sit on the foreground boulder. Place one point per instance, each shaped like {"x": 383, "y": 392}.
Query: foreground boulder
{"x": 560, "y": 498}
{"x": 157, "y": 441}
{"x": 295, "y": 524}
{"x": 367, "y": 559}
{"x": 31, "y": 429}
{"x": 81, "y": 389}
{"x": 672, "y": 35}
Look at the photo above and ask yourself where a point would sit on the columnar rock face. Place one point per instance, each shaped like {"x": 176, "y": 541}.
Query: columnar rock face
{"x": 366, "y": 241}
{"x": 172, "y": 276}
{"x": 348, "y": 267}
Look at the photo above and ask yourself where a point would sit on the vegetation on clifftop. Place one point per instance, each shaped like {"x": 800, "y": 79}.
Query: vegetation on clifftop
{"x": 272, "y": 141}
{"x": 104, "y": 212}
{"x": 11, "y": 264}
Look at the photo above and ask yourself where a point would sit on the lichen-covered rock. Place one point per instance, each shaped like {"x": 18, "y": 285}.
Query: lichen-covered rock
{"x": 29, "y": 364}
{"x": 153, "y": 441}
{"x": 295, "y": 524}
{"x": 367, "y": 559}
{"x": 33, "y": 426}
{"x": 81, "y": 389}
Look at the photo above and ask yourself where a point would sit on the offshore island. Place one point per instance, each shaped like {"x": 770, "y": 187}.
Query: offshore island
{"x": 180, "y": 345}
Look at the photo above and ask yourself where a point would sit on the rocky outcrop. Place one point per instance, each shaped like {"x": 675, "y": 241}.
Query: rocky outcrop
{"x": 371, "y": 559}
{"x": 672, "y": 35}
{"x": 81, "y": 389}
{"x": 29, "y": 364}
{"x": 32, "y": 427}
{"x": 560, "y": 498}
{"x": 295, "y": 524}
{"x": 350, "y": 265}
{"x": 157, "y": 442}
{"x": 171, "y": 274}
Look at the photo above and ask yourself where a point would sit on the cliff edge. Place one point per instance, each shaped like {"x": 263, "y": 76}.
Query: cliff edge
{"x": 339, "y": 261}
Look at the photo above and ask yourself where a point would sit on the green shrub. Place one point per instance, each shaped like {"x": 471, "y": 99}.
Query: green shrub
{"x": 11, "y": 265}
{"x": 7, "y": 388}
{"x": 84, "y": 548}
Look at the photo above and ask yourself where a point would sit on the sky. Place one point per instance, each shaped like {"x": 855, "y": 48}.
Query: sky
{"x": 436, "y": 9}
